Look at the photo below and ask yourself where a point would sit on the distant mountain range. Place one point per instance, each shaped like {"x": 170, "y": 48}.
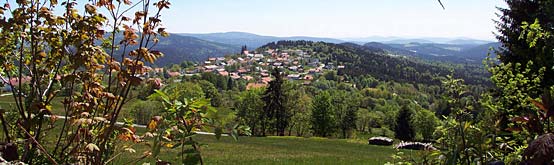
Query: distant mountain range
{"x": 252, "y": 41}
{"x": 198, "y": 47}
{"x": 456, "y": 53}
{"x": 402, "y": 40}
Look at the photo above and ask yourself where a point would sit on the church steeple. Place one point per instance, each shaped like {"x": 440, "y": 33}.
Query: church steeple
{"x": 244, "y": 50}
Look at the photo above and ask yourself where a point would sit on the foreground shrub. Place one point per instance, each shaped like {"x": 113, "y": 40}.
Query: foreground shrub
{"x": 89, "y": 54}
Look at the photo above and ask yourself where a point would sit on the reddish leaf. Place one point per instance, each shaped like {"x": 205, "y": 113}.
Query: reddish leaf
{"x": 514, "y": 129}
{"x": 534, "y": 125}
{"x": 550, "y": 113}
{"x": 135, "y": 80}
{"x": 110, "y": 95}
{"x": 522, "y": 119}
{"x": 547, "y": 99}
{"x": 539, "y": 105}
{"x": 548, "y": 104}
{"x": 99, "y": 33}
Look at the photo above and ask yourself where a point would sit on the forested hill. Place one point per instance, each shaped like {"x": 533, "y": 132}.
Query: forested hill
{"x": 360, "y": 60}
{"x": 177, "y": 48}
{"x": 454, "y": 53}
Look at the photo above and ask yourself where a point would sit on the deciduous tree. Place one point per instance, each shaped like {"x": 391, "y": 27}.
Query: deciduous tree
{"x": 323, "y": 117}
{"x": 75, "y": 45}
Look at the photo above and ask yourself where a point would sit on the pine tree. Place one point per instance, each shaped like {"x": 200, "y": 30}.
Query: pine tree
{"x": 230, "y": 83}
{"x": 515, "y": 47}
{"x": 276, "y": 115}
{"x": 525, "y": 70}
{"x": 404, "y": 129}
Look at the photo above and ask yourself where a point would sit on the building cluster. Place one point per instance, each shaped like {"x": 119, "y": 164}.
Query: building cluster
{"x": 256, "y": 67}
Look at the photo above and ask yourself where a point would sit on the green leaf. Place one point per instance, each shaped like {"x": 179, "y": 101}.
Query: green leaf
{"x": 190, "y": 142}
{"x": 156, "y": 147}
{"x": 176, "y": 145}
{"x": 193, "y": 157}
{"x": 163, "y": 96}
{"x": 235, "y": 134}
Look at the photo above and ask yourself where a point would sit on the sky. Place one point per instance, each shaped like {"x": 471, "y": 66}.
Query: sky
{"x": 336, "y": 18}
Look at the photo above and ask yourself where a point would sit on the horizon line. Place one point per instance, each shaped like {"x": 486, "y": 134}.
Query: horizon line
{"x": 348, "y": 38}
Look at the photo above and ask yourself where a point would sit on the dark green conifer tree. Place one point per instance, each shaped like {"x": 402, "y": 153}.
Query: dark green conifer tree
{"x": 276, "y": 115}
{"x": 404, "y": 129}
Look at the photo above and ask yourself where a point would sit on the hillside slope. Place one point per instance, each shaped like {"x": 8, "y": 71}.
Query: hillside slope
{"x": 178, "y": 48}
{"x": 438, "y": 52}
{"x": 361, "y": 60}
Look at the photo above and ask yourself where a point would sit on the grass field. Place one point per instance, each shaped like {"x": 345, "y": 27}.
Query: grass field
{"x": 8, "y": 103}
{"x": 282, "y": 150}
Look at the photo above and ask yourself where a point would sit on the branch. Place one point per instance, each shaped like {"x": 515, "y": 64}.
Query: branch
{"x": 39, "y": 146}
{"x": 5, "y": 126}
{"x": 4, "y": 80}
{"x": 50, "y": 82}
{"x": 441, "y": 5}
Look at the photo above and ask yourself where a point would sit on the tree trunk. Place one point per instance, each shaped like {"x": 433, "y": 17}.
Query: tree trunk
{"x": 254, "y": 130}
{"x": 290, "y": 129}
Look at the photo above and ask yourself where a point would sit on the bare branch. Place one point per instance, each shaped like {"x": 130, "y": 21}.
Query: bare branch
{"x": 441, "y": 5}
{"x": 38, "y": 144}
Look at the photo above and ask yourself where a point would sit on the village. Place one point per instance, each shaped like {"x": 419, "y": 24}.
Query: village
{"x": 256, "y": 67}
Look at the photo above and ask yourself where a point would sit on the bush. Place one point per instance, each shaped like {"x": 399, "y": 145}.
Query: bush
{"x": 425, "y": 123}
{"x": 142, "y": 111}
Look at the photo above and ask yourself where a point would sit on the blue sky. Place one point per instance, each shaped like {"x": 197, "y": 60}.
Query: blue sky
{"x": 336, "y": 18}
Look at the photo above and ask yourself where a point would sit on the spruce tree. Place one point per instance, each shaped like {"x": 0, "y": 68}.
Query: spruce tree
{"x": 276, "y": 115}
{"x": 404, "y": 129}
{"x": 525, "y": 70}
{"x": 515, "y": 47}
